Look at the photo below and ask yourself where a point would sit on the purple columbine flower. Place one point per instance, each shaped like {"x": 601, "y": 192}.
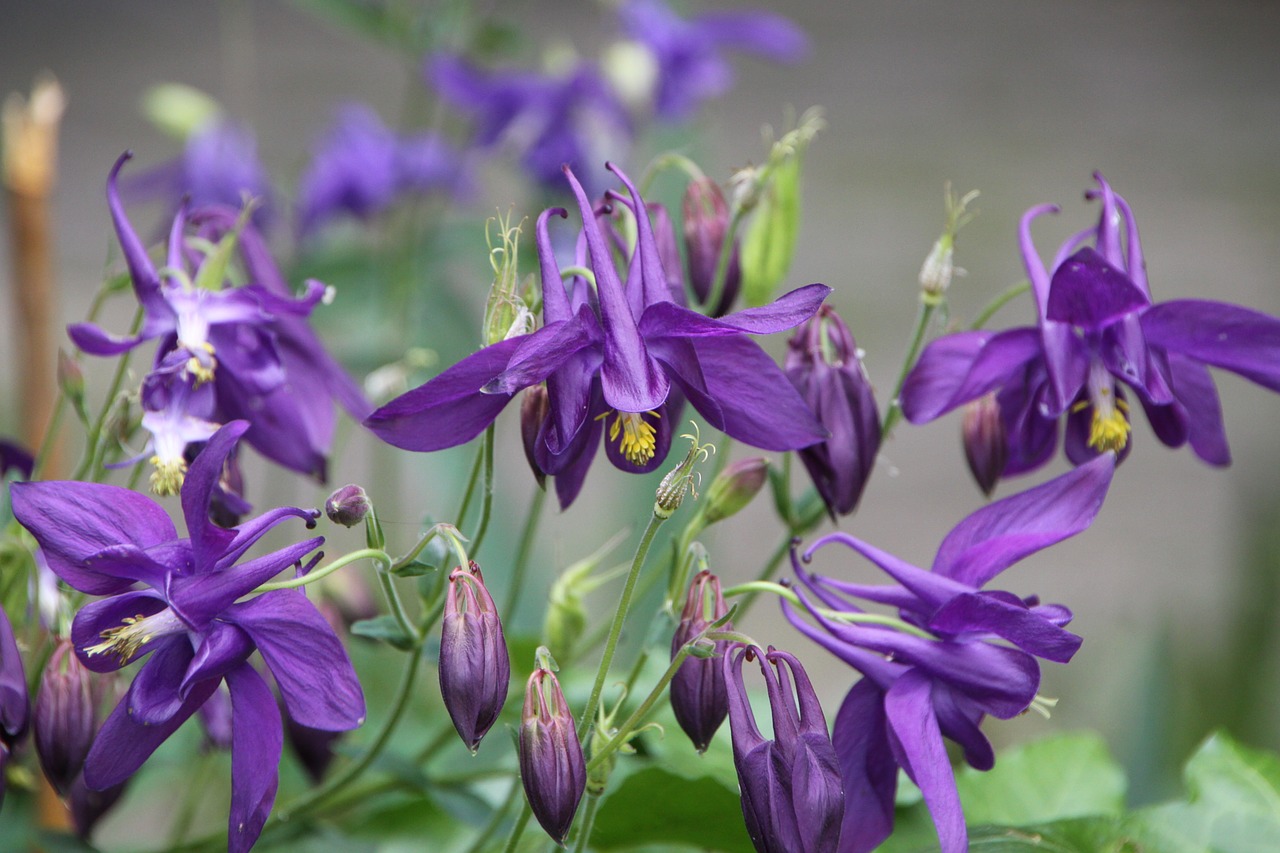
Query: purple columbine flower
{"x": 793, "y": 799}
{"x": 250, "y": 343}
{"x": 975, "y": 653}
{"x": 178, "y": 601}
{"x": 825, "y": 365}
{"x": 475, "y": 670}
{"x": 551, "y": 120}
{"x": 690, "y": 67}
{"x": 361, "y": 168}
{"x": 698, "y": 697}
{"x": 617, "y": 360}
{"x": 1098, "y": 333}
{"x": 15, "y": 702}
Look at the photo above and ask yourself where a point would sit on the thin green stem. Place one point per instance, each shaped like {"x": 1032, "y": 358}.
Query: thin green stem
{"x": 496, "y": 820}
{"x": 523, "y": 551}
{"x": 766, "y": 573}
{"x": 326, "y": 570}
{"x": 50, "y": 434}
{"x": 665, "y": 161}
{"x": 486, "y": 497}
{"x": 518, "y": 829}
{"x": 638, "y": 715}
{"x": 472, "y": 479}
{"x": 615, "y": 629}
{"x": 92, "y": 451}
{"x": 847, "y": 617}
{"x": 927, "y": 307}
{"x": 588, "y": 818}
{"x": 1007, "y": 295}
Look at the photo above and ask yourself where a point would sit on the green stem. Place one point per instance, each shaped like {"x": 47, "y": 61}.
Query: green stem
{"x": 486, "y": 498}
{"x": 518, "y": 829}
{"x": 615, "y": 629}
{"x": 637, "y": 716}
{"x": 766, "y": 573}
{"x": 666, "y": 161}
{"x": 472, "y": 479}
{"x": 588, "y": 818}
{"x": 927, "y": 307}
{"x": 1007, "y": 295}
{"x": 50, "y": 434}
{"x": 92, "y": 452}
{"x": 388, "y": 584}
{"x": 496, "y": 820}
{"x": 523, "y": 551}
{"x": 324, "y": 571}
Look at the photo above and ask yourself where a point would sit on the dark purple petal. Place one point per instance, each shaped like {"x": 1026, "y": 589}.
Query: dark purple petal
{"x": 1032, "y": 436}
{"x": 998, "y": 535}
{"x": 909, "y": 709}
{"x": 933, "y": 588}
{"x": 545, "y": 351}
{"x": 1089, "y": 293}
{"x": 96, "y": 341}
{"x": 257, "y": 740}
{"x": 979, "y": 613}
{"x": 15, "y": 702}
{"x": 223, "y": 647}
{"x": 105, "y": 614}
{"x": 251, "y": 531}
{"x": 308, "y": 661}
{"x": 123, "y": 743}
{"x": 959, "y": 718}
{"x": 154, "y": 696}
{"x": 450, "y": 409}
{"x": 1227, "y": 336}
{"x": 73, "y": 520}
{"x": 870, "y": 774}
{"x": 129, "y": 562}
{"x": 208, "y": 541}
{"x": 958, "y": 368}
{"x": 1197, "y": 402}
{"x": 199, "y": 599}
{"x": 146, "y": 283}
{"x": 667, "y": 319}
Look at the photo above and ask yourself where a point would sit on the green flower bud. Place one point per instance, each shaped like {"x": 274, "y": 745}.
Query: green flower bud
{"x": 735, "y": 487}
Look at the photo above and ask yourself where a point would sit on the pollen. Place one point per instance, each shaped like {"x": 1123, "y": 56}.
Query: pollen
{"x": 1109, "y": 429}
{"x": 134, "y": 632}
{"x": 202, "y": 363}
{"x": 636, "y": 437}
{"x": 168, "y": 476}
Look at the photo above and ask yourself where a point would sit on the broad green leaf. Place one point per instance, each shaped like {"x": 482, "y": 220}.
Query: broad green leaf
{"x": 654, "y": 806}
{"x": 384, "y": 628}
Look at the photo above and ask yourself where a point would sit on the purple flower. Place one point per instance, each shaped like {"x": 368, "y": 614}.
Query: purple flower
{"x": 825, "y": 365}
{"x": 251, "y": 344}
{"x": 15, "y": 702}
{"x": 178, "y": 601}
{"x": 1098, "y": 334}
{"x": 550, "y": 120}
{"x": 475, "y": 670}
{"x": 360, "y": 167}
{"x": 690, "y": 67}
{"x": 617, "y": 360}
{"x": 14, "y": 457}
{"x": 793, "y": 799}
{"x": 974, "y": 652}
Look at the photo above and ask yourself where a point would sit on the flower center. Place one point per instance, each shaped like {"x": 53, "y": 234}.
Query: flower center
{"x": 1109, "y": 425}
{"x": 134, "y": 632}
{"x": 636, "y": 437}
{"x": 169, "y": 474}
{"x": 201, "y": 363}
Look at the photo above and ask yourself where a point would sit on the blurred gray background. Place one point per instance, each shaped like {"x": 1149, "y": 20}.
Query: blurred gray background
{"x": 1178, "y": 104}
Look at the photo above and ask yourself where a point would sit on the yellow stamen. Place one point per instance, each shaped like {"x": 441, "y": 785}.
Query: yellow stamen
{"x": 1109, "y": 429}
{"x": 201, "y": 367}
{"x": 638, "y": 439}
{"x": 126, "y": 639}
{"x": 168, "y": 476}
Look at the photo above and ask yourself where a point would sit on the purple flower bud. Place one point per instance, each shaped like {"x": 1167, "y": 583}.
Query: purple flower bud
{"x": 792, "y": 794}
{"x": 314, "y": 747}
{"x": 474, "y": 667}
{"x": 347, "y": 506}
{"x": 698, "y": 696}
{"x": 734, "y": 488}
{"x": 664, "y": 234}
{"x": 552, "y": 768}
{"x": 15, "y": 704}
{"x": 65, "y": 717}
{"x": 824, "y": 365}
{"x": 89, "y": 806}
{"x": 535, "y": 407}
{"x": 986, "y": 446}
{"x": 706, "y": 221}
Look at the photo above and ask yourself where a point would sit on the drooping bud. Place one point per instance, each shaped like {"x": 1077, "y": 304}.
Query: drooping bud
{"x": 347, "y": 506}
{"x": 939, "y": 267}
{"x": 825, "y": 366}
{"x": 15, "y": 703}
{"x": 65, "y": 717}
{"x": 553, "y": 770}
{"x": 986, "y": 446}
{"x": 735, "y": 487}
{"x": 698, "y": 697}
{"x": 535, "y": 406}
{"x": 474, "y": 667}
{"x": 706, "y": 224}
{"x": 314, "y": 747}
{"x": 792, "y": 793}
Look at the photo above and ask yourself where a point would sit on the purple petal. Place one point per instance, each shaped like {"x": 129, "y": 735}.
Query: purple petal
{"x": 207, "y": 539}
{"x": 223, "y": 647}
{"x": 545, "y": 351}
{"x": 771, "y": 36}
{"x": 958, "y": 368}
{"x": 959, "y": 719}
{"x": 1089, "y": 293}
{"x": 123, "y": 743}
{"x": 1030, "y": 259}
{"x": 934, "y": 588}
{"x": 667, "y": 319}
{"x": 15, "y": 702}
{"x": 97, "y": 341}
{"x": 309, "y": 664}
{"x": 146, "y": 283}
{"x": 909, "y": 710}
{"x": 867, "y": 768}
{"x": 979, "y": 613}
{"x": 73, "y": 520}
{"x": 257, "y": 739}
{"x": 1227, "y": 336}
{"x": 199, "y": 599}
{"x": 998, "y": 535}
{"x": 450, "y": 409}
{"x": 555, "y": 302}
{"x": 154, "y": 697}
{"x": 105, "y": 614}
{"x": 1197, "y": 401}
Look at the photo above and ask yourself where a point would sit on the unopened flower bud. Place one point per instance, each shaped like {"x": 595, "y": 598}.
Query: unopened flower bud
{"x": 706, "y": 224}
{"x": 985, "y": 444}
{"x": 552, "y": 768}
{"x": 735, "y": 487}
{"x": 535, "y": 406}
{"x": 698, "y": 697}
{"x": 939, "y": 267}
{"x": 64, "y": 720}
{"x": 825, "y": 366}
{"x": 664, "y": 235}
{"x": 71, "y": 379}
{"x": 474, "y": 667}
{"x": 347, "y": 506}
{"x": 15, "y": 704}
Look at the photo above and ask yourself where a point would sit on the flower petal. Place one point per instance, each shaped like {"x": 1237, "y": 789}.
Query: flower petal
{"x": 867, "y": 768}
{"x": 308, "y": 662}
{"x": 979, "y": 613}
{"x": 154, "y": 696}
{"x": 199, "y": 599}
{"x": 786, "y": 312}
{"x": 998, "y": 535}
{"x": 1197, "y": 400}
{"x": 958, "y": 368}
{"x": 1089, "y": 293}
{"x": 97, "y": 617}
{"x": 223, "y": 647}
{"x": 257, "y": 739}
{"x": 208, "y": 540}
{"x": 1227, "y": 336}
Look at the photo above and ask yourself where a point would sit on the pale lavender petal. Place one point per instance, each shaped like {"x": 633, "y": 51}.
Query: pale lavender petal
{"x": 257, "y": 739}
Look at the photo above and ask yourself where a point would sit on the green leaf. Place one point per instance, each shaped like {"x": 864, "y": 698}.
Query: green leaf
{"x": 1067, "y": 776}
{"x": 654, "y": 806}
{"x": 770, "y": 240}
{"x": 1082, "y": 835}
{"x": 1233, "y": 803}
{"x": 384, "y": 629}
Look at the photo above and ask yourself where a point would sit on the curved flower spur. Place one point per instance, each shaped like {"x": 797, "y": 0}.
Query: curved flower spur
{"x": 958, "y": 654}
{"x": 177, "y": 600}
{"x": 622, "y": 359}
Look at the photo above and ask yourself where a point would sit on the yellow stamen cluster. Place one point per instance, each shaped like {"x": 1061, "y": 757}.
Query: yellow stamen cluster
{"x": 202, "y": 367}
{"x": 168, "y": 476}
{"x": 122, "y": 641}
{"x": 1109, "y": 429}
{"x": 638, "y": 439}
